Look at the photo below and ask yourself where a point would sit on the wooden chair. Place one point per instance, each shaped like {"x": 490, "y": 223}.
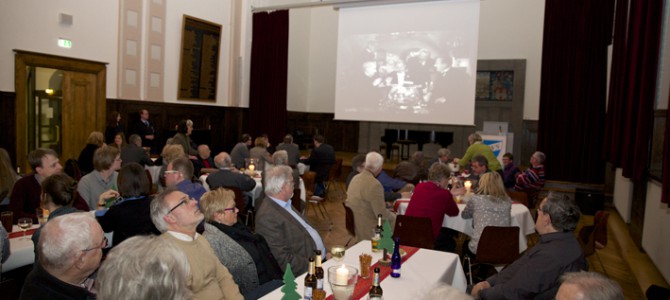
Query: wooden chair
{"x": 248, "y": 214}
{"x": 309, "y": 179}
{"x": 497, "y": 246}
{"x": 592, "y": 237}
{"x": 414, "y": 231}
{"x": 296, "y": 202}
{"x": 334, "y": 174}
{"x": 349, "y": 222}
{"x": 520, "y": 197}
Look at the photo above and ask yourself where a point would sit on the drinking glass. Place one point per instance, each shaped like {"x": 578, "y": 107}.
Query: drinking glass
{"x": 24, "y": 224}
{"x": 338, "y": 252}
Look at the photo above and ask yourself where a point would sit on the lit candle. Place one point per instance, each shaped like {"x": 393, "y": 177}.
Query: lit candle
{"x": 342, "y": 276}
{"x": 252, "y": 168}
{"x": 468, "y": 185}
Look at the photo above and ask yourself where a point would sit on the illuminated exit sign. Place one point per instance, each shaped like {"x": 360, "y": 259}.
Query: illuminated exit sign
{"x": 64, "y": 43}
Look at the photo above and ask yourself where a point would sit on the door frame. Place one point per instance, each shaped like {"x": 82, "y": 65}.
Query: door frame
{"x": 27, "y": 58}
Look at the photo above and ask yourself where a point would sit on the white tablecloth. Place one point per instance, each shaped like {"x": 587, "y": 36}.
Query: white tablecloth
{"x": 419, "y": 273}
{"x": 155, "y": 173}
{"x": 21, "y": 251}
{"x": 256, "y": 192}
{"x": 521, "y": 217}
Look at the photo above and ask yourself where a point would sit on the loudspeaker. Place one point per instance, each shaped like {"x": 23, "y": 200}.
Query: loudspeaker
{"x": 65, "y": 19}
{"x": 589, "y": 201}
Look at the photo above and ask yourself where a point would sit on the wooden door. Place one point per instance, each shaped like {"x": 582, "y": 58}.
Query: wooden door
{"x": 80, "y": 112}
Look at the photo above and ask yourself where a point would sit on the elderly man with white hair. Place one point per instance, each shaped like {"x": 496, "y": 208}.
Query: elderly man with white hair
{"x": 70, "y": 249}
{"x": 365, "y": 196}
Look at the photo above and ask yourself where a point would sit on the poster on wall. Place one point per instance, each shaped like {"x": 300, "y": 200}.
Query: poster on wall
{"x": 497, "y": 143}
{"x": 199, "y": 60}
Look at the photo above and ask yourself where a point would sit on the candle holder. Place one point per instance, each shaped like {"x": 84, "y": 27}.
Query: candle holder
{"x": 342, "y": 281}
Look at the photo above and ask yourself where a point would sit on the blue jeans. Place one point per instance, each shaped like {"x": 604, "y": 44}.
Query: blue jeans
{"x": 320, "y": 189}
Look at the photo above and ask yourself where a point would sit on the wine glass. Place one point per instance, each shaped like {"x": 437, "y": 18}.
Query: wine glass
{"x": 24, "y": 224}
{"x": 338, "y": 252}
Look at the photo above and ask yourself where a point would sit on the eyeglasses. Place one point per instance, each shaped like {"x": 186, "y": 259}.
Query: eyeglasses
{"x": 171, "y": 172}
{"x": 233, "y": 209}
{"x": 182, "y": 202}
{"x": 102, "y": 245}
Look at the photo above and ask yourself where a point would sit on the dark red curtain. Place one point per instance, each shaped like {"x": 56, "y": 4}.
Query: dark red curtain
{"x": 630, "y": 112}
{"x": 269, "y": 71}
{"x": 573, "y": 88}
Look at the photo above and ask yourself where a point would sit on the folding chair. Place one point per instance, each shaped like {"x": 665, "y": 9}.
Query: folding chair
{"x": 349, "y": 223}
{"x": 414, "y": 231}
{"x": 497, "y": 246}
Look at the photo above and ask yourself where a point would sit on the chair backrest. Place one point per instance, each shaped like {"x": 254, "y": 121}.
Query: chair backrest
{"x": 498, "y": 245}
{"x": 521, "y": 197}
{"x": 296, "y": 201}
{"x": 151, "y": 182}
{"x": 349, "y": 220}
{"x": 335, "y": 170}
{"x": 239, "y": 199}
{"x": 309, "y": 180}
{"x": 594, "y": 236}
{"x": 414, "y": 231}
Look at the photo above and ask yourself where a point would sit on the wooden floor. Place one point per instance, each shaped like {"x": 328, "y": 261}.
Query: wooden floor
{"x": 614, "y": 261}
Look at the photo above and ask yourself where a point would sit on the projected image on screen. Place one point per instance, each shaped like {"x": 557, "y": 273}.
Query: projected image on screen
{"x": 393, "y": 69}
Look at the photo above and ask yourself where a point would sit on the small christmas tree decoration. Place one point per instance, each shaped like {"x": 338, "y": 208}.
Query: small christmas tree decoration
{"x": 289, "y": 288}
{"x": 387, "y": 241}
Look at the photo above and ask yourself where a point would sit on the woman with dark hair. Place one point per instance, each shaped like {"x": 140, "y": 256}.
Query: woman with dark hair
{"x": 58, "y": 195}
{"x": 183, "y": 138}
{"x": 113, "y": 126}
{"x": 129, "y": 213}
{"x": 119, "y": 141}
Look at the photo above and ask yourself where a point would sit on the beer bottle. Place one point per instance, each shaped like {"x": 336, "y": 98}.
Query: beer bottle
{"x": 310, "y": 280}
{"x": 375, "y": 292}
{"x": 318, "y": 270}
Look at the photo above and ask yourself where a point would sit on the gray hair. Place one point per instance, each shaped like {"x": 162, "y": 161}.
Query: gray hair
{"x": 134, "y": 139}
{"x": 223, "y": 160}
{"x": 160, "y": 208}
{"x": 129, "y": 273}
{"x": 593, "y": 286}
{"x": 540, "y": 156}
{"x": 276, "y": 178}
{"x": 62, "y": 238}
{"x": 474, "y": 137}
{"x": 438, "y": 172}
{"x": 563, "y": 211}
{"x": 280, "y": 157}
{"x": 373, "y": 161}
{"x": 444, "y": 152}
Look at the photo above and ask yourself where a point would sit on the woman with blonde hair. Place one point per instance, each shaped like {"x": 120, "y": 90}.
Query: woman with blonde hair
{"x": 490, "y": 206}
{"x": 260, "y": 153}
{"x": 246, "y": 254}
{"x": 85, "y": 161}
{"x": 7, "y": 177}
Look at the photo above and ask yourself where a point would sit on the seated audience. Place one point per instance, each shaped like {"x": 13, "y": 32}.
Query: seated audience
{"x": 246, "y": 254}
{"x": 227, "y": 176}
{"x": 168, "y": 154}
{"x": 133, "y": 152}
{"x": 176, "y": 215}
{"x": 85, "y": 160}
{"x": 129, "y": 273}
{"x": 509, "y": 171}
{"x": 26, "y": 194}
{"x": 357, "y": 166}
{"x": 260, "y": 153}
{"x": 480, "y": 166}
{"x": 479, "y": 148}
{"x": 588, "y": 286}
{"x": 107, "y": 161}
{"x": 536, "y": 274}
{"x": 412, "y": 171}
{"x": 183, "y": 138}
{"x": 489, "y": 206}
{"x": 128, "y": 215}
{"x": 532, "y": 180}
{"x": 58, "y": 194}
{"x": 443, "y": 157}
{"x": 70, "y": 249}
{"x": 179, "y": 174}
{"x": 320, "y": 160}
{"x": 241, "y": 151}
{"x": 119, "y": 141}
{"x": 8, "y": 177}
{"x": 292, "y": 150}
{"x": 290, "y": 236}
{"x": 203, "y": 160}
{"x": 432, "y": 199}
{"x": 365, "y": 196}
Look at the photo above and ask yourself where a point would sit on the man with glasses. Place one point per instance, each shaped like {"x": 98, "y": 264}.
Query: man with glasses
{"x": 536, "y": 274}
{"x": 70, "y": 249}
{"x": 290, "y": 236}
{"x": 177, "y": 215}
{"x": 179, "y": 174}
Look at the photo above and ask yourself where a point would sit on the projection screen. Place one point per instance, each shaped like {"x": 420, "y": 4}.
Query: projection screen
{"x": 411, "y": 63}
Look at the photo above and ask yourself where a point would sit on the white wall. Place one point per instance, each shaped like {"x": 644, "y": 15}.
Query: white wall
{"x": 33, "y": 25}
{"x": 656, "y": 230}
{"x": 623, "y": 195}
{"x": 504, "y": 34}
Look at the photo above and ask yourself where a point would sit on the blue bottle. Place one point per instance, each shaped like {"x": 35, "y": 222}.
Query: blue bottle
{"x": 395, "y": 259}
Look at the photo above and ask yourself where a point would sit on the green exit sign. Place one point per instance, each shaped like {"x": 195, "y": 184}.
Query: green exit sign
{"x": 64, "y": 43}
